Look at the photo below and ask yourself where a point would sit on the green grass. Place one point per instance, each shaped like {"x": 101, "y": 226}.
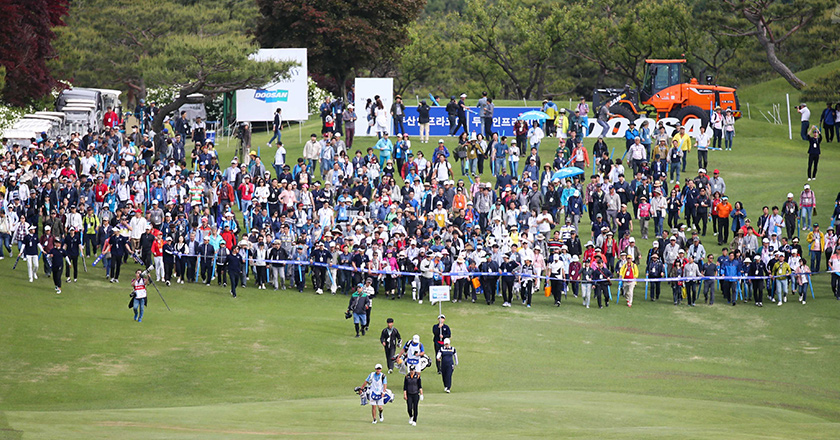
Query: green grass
{"x": 272, "y": 365}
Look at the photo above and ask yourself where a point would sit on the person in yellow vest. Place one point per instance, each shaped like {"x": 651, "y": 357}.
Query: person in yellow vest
{"x": 550, "y": 109}
{"x": 781, "y": 272}
{"x": 441, "y": 215}
{"x": 629, "y": 271}
{"x": 684, "y": 142}
{"x": 90, "y": 225}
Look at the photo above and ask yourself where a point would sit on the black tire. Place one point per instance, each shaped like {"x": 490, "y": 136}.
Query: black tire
{"x": 622, "y": 111}
{"x": 693, "y": 112}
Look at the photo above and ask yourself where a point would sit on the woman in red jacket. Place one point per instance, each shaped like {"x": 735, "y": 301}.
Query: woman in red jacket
{"x": 610, "y": 250}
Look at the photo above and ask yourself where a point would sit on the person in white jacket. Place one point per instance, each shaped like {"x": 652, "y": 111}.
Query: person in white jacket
{"x": 312, "y": 152}
{"x": 460, "y": 281}
{"x": 535, "y": 135}
{"x": 74, "y": 220}
{"x": 137, "y": 225}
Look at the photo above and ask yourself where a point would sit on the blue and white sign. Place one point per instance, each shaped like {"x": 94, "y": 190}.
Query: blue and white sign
{"x": 271, "y": 95}
{"x": 290, "y": 94}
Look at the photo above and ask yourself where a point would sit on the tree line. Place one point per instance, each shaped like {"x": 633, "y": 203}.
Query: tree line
{"x": 515, "y": 49}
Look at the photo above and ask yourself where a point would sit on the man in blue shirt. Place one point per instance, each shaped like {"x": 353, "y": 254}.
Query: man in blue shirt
{"x": 385, "y": 147}
{"x": 630, "y": 135}
{"x": 504, "y": 179}
{"x": 730, "y": 267}
{"x": 501, "y": 150}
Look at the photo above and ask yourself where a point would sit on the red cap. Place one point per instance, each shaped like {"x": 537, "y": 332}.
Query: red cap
{"x": 717, "y": 171}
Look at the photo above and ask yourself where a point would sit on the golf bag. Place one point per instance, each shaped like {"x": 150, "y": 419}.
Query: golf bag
{"x": 402, "y": 364}
{"x": 365, "y": 395}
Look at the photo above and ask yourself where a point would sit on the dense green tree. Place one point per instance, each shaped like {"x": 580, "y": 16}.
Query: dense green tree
{"x": 823, "y": 88}
{"x": 210, "y": 66}
{"x": 341, "y": 36}
{"x": 619, "y": 35}
{"x": 198, "y": 47}
{"x": 517, "y": 37}
{"x": 771, "y": 23}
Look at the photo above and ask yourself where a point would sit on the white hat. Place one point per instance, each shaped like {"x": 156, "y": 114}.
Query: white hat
{"x": 766, "y": 240}
{"x": 807, "y": 186}
{"x": 702, "y": 170}
{"x": 377, "y": 367}
{"x": 415, "y": 339}
{"x": 446, "y": 341}
{"x": 440, "y": 141}
{"x": 575, "y": 258}
{"x": 46, "y": 228}
{"x": 632, "y": 240}
{"x": 790, "y": 195}
{"x": 464, "y": 95}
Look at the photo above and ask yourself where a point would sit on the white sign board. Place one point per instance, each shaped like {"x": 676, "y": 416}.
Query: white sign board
{"x": 290, "y": 94}
{"x": 438, "y": 293}
{"x": 368, "y": 88}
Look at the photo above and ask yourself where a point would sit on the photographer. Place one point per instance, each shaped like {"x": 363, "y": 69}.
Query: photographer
{"x": 805, "y": 118}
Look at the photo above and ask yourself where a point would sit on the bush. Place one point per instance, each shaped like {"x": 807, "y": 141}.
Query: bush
{"x": 823, "y": 89}
{"x": 316, "y": 95}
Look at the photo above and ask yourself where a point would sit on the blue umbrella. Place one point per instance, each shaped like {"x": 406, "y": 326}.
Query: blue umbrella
{"x": 567, "y": 172}
{"x": 533, "y": 115}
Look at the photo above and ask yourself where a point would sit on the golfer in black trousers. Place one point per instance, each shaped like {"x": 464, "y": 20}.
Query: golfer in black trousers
{"x": 71, "y": 243}
{"x": 234, "y": 268}
{"x": 412, "y": 393}
{"x": 447, "y": 358}
{"x": 391, "y": 339}
{"x": 441, "y": 333}
{"x": 602, "y": 282}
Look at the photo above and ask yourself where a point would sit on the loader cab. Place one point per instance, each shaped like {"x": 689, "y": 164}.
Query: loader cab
{"x": 659, "y": 75}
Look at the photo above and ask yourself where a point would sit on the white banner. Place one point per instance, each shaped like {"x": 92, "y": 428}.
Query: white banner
{"x": 619, "y": 125}
{"x": 290, "y": 94}
{"x": 367, "y": 88}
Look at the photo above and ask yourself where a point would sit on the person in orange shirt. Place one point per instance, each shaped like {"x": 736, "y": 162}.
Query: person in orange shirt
{"x": 724, "y": 208}
{"x": 629, "y": 271}
{"x": 459, "y": 201}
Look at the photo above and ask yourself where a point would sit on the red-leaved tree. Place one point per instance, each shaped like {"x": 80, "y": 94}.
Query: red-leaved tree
{"x": 26, "y": 46}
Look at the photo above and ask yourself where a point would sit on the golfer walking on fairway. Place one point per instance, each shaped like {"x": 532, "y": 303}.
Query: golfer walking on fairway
{"x": 390, "y": 338}
{"x": 448, "y": 358}
{"x": 378, "y": 384}
{"x": 440, "y": 331}
{"x": 412, "y": 393}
